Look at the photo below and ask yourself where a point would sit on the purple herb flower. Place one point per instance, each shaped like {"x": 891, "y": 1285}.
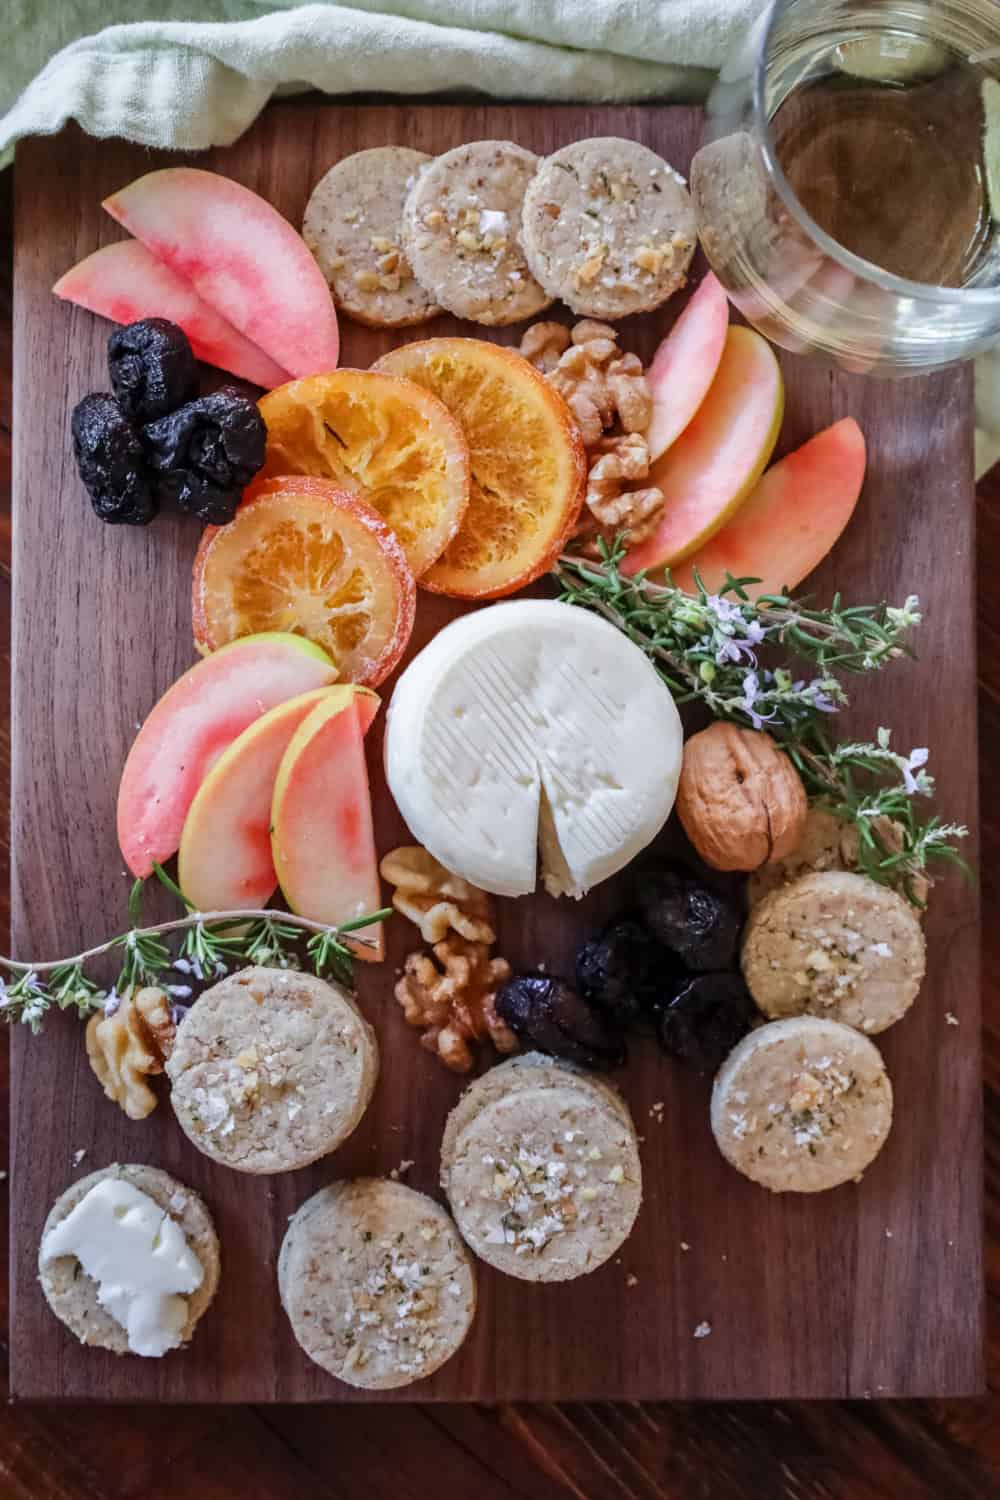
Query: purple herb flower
{"x": 913, "y": 762}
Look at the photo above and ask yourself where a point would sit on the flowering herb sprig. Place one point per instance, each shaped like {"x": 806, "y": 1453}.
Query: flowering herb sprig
{"x": 210, "y": 944}
{"x": 706, "y": 647}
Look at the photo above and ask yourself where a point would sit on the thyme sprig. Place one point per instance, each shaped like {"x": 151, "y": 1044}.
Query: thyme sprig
{"x": 706, "y": 647}
{"x": 210, "y": 944}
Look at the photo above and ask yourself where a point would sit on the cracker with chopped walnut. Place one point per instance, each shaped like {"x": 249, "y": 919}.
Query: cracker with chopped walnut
{"x": 802, "y": 1105}
{"x": 608, "y": 226}
{"x": 837, "y": 945}
{"x": 353, "y": 224}
{"x": 271, "y": 1070}
{"x": 461, "y": 233}
{"x": 544, "y": 1179}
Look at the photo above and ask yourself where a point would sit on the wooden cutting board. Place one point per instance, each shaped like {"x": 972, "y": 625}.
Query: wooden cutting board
{"x": 869, "y": 1290}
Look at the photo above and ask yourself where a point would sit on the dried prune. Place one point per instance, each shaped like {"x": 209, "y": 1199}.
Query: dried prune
{"x": 624, "y": 972}
{"x": 111, "y": 462}
{"x": 152, "y": 368}
{"x": 549, "y": 1014}
{"x": 698, "y": 923}
{"x": 705, "y": 1018}
{"x": 207, "y": 452}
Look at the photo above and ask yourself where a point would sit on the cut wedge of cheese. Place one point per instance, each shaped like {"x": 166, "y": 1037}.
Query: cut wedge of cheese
{"x": 533, "y": 729}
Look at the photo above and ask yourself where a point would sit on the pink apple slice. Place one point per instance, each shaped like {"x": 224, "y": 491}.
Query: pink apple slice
{"x": 125, "y": 282}
{"x": 685, "y": 364}
{"x": 192, "y": 725}
{"x": 715, "y": 463}
{"x": 792, "y": 519}
{"x": 240, "y": 256}
{"x": 323, "y": 842}
{"x": 224, "y": 861}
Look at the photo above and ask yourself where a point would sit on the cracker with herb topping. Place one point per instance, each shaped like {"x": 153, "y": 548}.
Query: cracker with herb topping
{"x": 608, "y": 227}
{"x": 461, "y": 233}
{"x": 376, "y": 1283}
{"x": 802, "y": 1105}
{"x": 353, "y": 225}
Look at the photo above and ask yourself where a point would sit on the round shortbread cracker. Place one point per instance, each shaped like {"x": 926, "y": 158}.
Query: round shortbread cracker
{"x": 376, "y": 1283}
{"x": 72, "y": 1294}
{"x": 608, "y": 226}
{"x": 353, "y": 226}
{"x": 827, "y": 843}
{"x": 271, "y": 1069}
{"x": 461, "y": 232}
{"x": 527, "y": 1070}
{"x": 802, "y": 1105}
{"x": 545, "y": 1181}
{"x": 834, "y": 944}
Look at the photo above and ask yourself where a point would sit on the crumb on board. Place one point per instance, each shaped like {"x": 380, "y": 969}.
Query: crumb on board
{"x": 888, "y": 1234}
{"x": 951, "y": 1018}
{"x": 631, "y": 1279}
{"x": 702, "y": 1331}
{"x": 400, "y": 1171}
{"x": 79, "y": 1155}
{"x": 685, "y": 1245}
{"x": 656, "y": 1111}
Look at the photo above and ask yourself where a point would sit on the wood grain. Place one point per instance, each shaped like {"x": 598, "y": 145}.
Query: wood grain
{"x": 806, "y": 1298}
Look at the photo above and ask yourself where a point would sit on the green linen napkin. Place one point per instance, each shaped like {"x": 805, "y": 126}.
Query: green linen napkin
{"x": 198, "y": 74}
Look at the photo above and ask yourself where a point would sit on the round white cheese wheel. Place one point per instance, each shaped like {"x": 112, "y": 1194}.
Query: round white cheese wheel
{"x": 533, "y": 729}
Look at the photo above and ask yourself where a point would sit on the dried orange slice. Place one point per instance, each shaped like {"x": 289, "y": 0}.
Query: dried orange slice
{"x": 302, "y": 556}
{"x": 379, "y": 437}
{"x": 527, "y": 463}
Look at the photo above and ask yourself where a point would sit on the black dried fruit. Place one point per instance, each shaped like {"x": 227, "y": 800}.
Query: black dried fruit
{"x": 699, "y": 924}
{"x": 111, "y": 462}
{"x": 152, "y": 368}
{"x": 549, "y": 1014}
{"x": 206, "y": 453}
{"x": 705, "y": 1018}
{"x": 624, "y": 972}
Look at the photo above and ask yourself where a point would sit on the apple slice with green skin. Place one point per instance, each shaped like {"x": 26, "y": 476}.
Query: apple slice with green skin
{"x": 792, "y": 519}
{"x": 125, "y": 282}
{"x": 192, "y": 725}
{"x": 715, "y": 463}
{"x": 224, "y": 861}
{"x": 241, "y": 257}
{"x": 685, "y": 365}
{"x": 322, "y": 838}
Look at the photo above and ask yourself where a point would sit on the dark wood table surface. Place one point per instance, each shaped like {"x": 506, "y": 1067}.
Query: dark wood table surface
{"x": 948, "y": 1450}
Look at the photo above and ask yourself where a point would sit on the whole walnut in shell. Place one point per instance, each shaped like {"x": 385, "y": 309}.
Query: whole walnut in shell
{"x": 740, "y": 799}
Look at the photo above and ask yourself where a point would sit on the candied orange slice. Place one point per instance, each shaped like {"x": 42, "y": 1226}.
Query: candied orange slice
{"x": 528, "y": 469}
{"x": 302, "y": 556}
{"x": 379, "y": 437}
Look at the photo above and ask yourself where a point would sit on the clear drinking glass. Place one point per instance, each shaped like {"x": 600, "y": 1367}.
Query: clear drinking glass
{"x": 848, "y": 187}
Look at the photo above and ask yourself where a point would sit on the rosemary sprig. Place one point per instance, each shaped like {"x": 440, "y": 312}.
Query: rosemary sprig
{"x": 706, "y": 647}
{"x": 210, "y": 944}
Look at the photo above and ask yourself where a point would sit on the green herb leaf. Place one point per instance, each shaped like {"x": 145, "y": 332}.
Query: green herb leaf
{"x": 706, "y": 646}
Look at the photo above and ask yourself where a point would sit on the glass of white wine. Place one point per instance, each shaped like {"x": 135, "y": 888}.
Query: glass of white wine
{"x": 848, "y": 185}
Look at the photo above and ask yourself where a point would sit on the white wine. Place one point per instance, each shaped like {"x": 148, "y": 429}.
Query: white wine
{"x": 848, "y": 189}
{"x": 885, "y": 148}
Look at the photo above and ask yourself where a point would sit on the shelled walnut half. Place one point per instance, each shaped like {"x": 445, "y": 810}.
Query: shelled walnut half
{"x": 435, "y": 900}
{"x": 452, "y": 999}
{"x": 129, "y": 1045}
{"x": 609, "y": 395}
{"x": 449, "y": 995}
